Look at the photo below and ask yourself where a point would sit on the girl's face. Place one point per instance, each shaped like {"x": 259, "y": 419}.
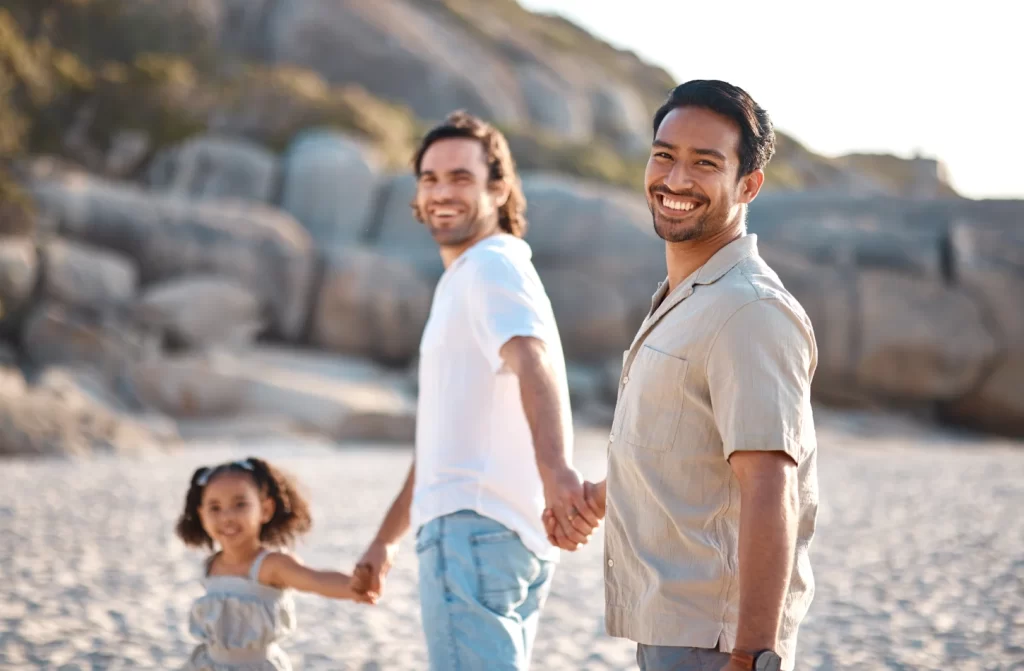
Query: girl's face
{"x": 233, "y": 510}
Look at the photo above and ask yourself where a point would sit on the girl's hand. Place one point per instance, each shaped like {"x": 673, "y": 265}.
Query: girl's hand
{"x": 286, "y": 571}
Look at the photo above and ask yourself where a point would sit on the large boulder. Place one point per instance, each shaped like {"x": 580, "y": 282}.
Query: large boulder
{"x": 886, "y": 234}
{"x": 263, "y": 248}
{"x": 71, "y": 412}
{"x": 371, "y": 305}
{"x": 989, "y": 264}
{"x": 601, "y": 240}
{"x": 553, "y": 104}
{"x": 581, "y": 223}
{"x": 320, "y": 363}
{"x": 394, "y": 230}
{"x": 362, "y": 406}
{"x": 189, "y": 386}
{"x": 911, "y": 300}
{"x": 210, "y": 167}
{"x": 398, "y": 50}
{"x": 19, "y": 272}
{"x": 8, "y": 356}
{"x": 594, "y": 320}
{"x": 329, "y": 186}
{"x": 919, "y": 340}
{"x": 59, "y": 334}
{"x": 621, "y": 116}
{"x": 87, "y": 276}
{"x": 201, "y": 311}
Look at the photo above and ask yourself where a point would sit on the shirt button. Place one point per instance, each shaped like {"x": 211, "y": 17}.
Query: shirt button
{"x": 611, "y": 563}
{"x": 611, "y": 437}
{"x": 625, "y": 379}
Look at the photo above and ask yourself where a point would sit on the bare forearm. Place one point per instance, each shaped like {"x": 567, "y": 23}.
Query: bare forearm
{"x": 334, "y": 585}
{"x": 542, "y": 405}
{"x": 767, "y": 539}
{"x": 396, "y": 522}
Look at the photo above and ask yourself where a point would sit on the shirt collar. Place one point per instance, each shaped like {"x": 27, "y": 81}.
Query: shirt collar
{"x": 497, "y": 241}
{"x": 724, "y": 260}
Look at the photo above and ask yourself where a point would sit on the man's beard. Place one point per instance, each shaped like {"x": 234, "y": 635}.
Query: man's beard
{"x": 455, "y": 236}
{"x": 669, "y": 233}
{"x": 673, "y": 230}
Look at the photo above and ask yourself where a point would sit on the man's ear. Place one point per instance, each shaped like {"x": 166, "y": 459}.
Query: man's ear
{"x": 750, "y": 185}
{"x": 501, "y": 190}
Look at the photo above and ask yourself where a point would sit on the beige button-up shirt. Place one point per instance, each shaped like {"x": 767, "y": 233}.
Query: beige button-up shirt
{"x": 722, "y": 363}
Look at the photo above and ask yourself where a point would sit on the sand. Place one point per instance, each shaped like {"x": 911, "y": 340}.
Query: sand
{"x": 919, "y": 558}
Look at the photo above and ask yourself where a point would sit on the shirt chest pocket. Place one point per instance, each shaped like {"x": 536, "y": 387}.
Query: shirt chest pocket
{"x": 653, "y": 394}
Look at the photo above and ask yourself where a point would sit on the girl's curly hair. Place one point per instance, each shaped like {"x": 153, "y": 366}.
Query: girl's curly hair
{"x": 291, "y": 510}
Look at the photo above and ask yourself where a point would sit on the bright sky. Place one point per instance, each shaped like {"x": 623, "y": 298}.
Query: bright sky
{"x": 885, "y": 76}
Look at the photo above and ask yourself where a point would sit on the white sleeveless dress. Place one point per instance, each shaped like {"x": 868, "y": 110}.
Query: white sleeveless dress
{"x": 239, "y": 623}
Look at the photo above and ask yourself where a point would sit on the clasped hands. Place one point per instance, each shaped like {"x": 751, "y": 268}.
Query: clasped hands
{"x": 574, "y": 509}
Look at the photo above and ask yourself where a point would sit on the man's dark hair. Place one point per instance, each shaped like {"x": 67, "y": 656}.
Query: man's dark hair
{"x": 500, "y": 165}
{"x": 757, "y": 136}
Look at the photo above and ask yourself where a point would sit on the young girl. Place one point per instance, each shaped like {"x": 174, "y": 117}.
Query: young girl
{"x": 250, "y": 510}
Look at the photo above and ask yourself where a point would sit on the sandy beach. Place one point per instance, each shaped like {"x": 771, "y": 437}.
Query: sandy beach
{"x": 919, "y": 558}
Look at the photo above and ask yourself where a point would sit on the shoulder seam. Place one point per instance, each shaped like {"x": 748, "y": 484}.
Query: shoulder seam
{"x": 714, "y": 341}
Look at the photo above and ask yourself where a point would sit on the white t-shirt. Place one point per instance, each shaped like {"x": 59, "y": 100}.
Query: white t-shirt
{"x": 474, "y": 449}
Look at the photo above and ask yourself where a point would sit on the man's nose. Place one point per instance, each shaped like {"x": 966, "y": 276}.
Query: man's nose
{"x": 441, "y": 192}
{"x": 679, "y": 178}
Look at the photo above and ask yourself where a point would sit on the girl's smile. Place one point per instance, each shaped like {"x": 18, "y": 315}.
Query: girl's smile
{"x": 233, "y": 511}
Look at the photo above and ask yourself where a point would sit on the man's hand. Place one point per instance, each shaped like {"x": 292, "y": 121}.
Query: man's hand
{"x": 372, "y": 570}
{"x": 595, "y": 498}
{"x": 565, "y": 497}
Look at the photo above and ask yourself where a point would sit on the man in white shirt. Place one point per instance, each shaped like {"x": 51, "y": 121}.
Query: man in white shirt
{"x": 494, "y": 431}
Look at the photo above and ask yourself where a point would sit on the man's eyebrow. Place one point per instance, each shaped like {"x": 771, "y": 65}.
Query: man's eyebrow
{"x": 700, "y": 152}
{"x": 455, "y": 172}
{"x": 711, "y": 152}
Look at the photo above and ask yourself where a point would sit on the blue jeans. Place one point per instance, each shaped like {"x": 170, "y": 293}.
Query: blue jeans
{"x": 481, "y": 593}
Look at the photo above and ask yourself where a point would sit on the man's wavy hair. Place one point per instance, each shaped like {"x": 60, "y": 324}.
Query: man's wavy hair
{"x": 500, "y": 165}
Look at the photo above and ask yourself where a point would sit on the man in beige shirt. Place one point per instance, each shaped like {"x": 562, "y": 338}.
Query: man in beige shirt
{"x": 712, "y": 486}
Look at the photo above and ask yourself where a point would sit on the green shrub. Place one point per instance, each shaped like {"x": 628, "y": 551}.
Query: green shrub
{"x": 97, "y": 31}
{"x": 17, "y": 211}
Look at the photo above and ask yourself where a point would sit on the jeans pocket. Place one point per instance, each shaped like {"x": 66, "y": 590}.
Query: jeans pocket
{"x": 428, "y": 553}
{"x": 504, "y": 570}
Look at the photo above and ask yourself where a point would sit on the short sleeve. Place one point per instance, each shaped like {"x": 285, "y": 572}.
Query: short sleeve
{"x": 504, "y": 303}
{"x": 759, "y": 374}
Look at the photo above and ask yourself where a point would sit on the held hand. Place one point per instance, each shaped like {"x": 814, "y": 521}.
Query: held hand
{"x": 360, "y": 586}
{"x": 567, "y": 503}
{"x": 595, "y": 499}
{"x": 565, "y": 496}
{"x": 371, "y": 571}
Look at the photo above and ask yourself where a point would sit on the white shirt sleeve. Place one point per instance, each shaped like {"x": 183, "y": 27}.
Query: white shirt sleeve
{"x": 504, "y": 303}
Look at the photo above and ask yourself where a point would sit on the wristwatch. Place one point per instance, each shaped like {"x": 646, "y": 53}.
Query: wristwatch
{"x": 762, "y": 660}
